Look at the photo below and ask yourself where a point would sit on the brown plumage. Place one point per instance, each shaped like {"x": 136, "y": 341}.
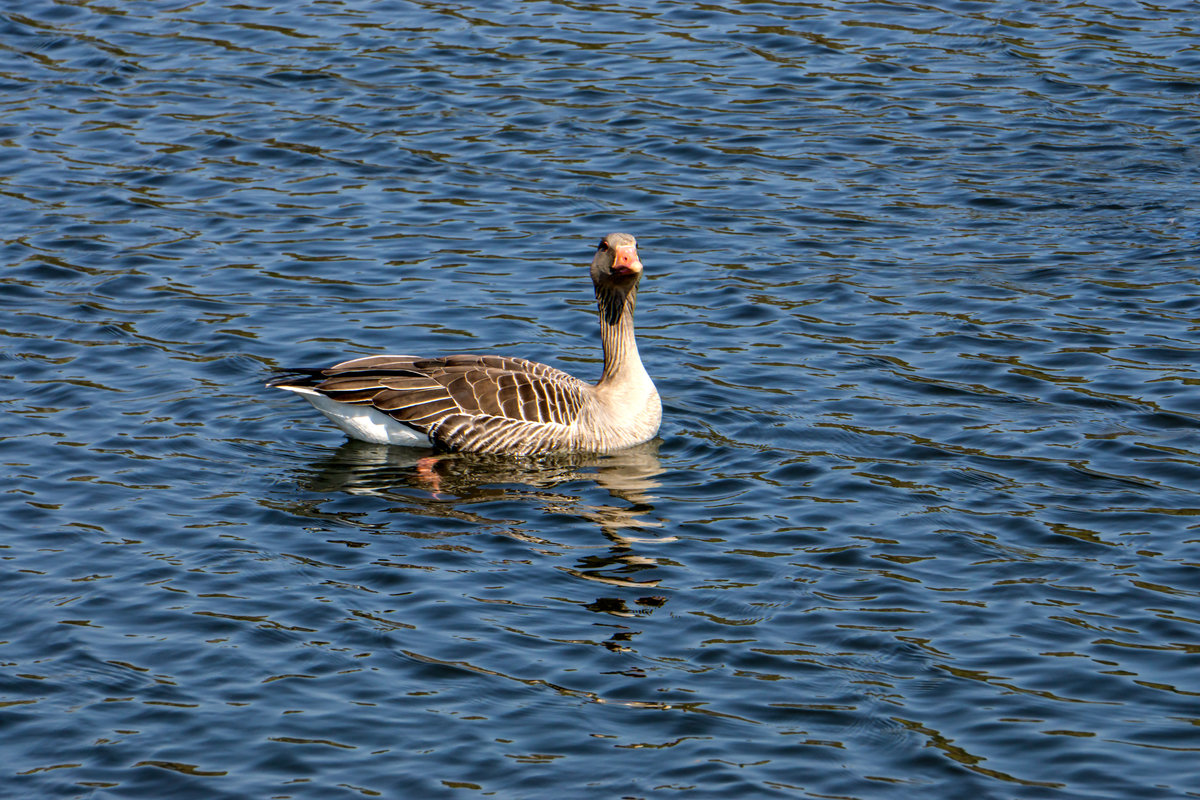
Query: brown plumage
{"x": 499, "y": 404}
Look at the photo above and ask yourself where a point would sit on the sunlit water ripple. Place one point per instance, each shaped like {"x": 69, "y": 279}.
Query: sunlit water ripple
{"x": 921, "y": 304}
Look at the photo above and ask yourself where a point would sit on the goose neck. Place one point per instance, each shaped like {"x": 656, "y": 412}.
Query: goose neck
{"x": 621, "y": 360}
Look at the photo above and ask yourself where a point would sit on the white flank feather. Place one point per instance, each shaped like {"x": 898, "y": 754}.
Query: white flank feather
{"x": 363, "y": 422}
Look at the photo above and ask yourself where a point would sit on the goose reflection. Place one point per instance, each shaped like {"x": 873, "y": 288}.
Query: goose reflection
{"x": 454, "y": 486}
{"x": 461, "y": 479}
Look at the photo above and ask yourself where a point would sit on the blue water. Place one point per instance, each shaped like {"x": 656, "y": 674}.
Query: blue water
{"x": 921, "y": 302}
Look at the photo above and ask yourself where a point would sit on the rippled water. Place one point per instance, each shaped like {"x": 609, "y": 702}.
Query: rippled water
{"x": 921, "y": 303}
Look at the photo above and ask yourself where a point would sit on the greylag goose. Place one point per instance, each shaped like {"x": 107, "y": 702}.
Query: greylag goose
{"x": 499, "y": 404}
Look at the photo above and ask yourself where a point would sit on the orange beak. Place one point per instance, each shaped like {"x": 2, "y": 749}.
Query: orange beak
{"x": 626, "y": 261}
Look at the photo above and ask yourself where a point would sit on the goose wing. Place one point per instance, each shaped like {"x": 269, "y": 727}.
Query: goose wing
{"x": 462, "y": 402}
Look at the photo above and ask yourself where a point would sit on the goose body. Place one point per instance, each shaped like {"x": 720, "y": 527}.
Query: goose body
{"x": 499, "y": 404}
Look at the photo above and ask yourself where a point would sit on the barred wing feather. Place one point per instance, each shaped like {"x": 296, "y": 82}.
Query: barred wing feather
{"x": 465, "y": 402}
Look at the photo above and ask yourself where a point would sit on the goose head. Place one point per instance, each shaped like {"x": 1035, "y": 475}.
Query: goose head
{"x": 616, "y": 263}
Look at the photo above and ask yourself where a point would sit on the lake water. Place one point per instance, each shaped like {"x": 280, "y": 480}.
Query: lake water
{"x": 922, "y": 302}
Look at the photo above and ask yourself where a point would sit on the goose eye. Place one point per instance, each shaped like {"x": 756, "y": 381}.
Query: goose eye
{"x": 603, "y": 246}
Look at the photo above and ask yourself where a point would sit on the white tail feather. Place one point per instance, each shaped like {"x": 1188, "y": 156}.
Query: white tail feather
{"x": 363, "y": 422}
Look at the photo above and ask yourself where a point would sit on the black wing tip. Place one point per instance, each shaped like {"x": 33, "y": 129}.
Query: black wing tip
{"x": 297, "y": 376}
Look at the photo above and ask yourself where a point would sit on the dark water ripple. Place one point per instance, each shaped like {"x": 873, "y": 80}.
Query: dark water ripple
{"x": 921, "y": 305}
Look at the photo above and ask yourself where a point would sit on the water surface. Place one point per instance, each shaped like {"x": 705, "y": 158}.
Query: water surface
{"x": 921, "y": 303}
